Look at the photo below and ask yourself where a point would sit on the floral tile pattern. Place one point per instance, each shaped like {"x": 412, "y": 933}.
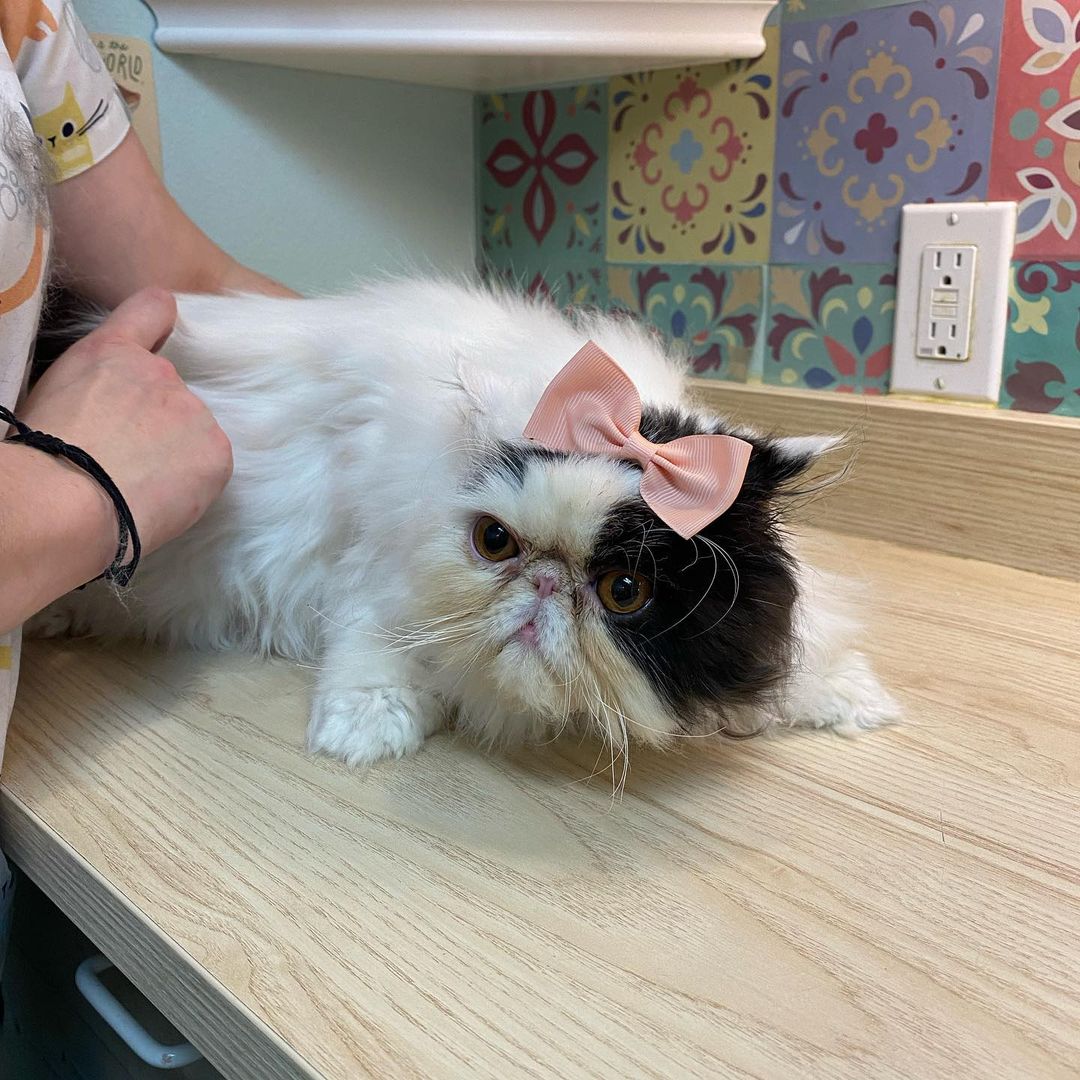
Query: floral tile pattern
{"x": 875, "y": 110}
{"x": 690, "y": 162}
{"x": 541, "y": 190}
{"x": 831, "y": 328}
{"x": 566, "y": 286}
{"x": 713, "y": 312}
{"x": 1042, "y": 344}
{"x": 1036, "y": 153}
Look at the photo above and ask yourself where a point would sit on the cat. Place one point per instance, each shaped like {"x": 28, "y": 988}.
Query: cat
{"x": 388, "y": 523}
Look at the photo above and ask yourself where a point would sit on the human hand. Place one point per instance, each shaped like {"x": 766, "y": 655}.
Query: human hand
{"x": 111, "y": 395}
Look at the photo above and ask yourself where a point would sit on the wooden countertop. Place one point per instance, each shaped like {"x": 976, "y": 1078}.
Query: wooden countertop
{"x": 905, "y": 904}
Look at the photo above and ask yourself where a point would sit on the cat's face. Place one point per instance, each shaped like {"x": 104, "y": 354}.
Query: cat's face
{"x": 553, "y": 597}
{"x": 63, "y": 133}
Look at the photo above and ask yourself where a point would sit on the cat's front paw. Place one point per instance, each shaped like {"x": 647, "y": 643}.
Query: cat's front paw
{"x": 362, "y": 726}
{"x": 847, "y": 698}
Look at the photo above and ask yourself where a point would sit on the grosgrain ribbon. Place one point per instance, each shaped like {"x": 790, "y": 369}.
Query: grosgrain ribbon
{"x": 593, "y": 407}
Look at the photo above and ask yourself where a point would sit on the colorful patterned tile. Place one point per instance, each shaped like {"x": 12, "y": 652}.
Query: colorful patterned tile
{"x": 1042, "y": 345}
{"x": 540, "y": 190}
{"x": 690, "y": 162}
{"x": 1036, "y": 154}
{"x": 831, "y": 329}
{"x": 876, "y": 110}
{"x": 713, "y": 312}
{"x": 566, "y": 286}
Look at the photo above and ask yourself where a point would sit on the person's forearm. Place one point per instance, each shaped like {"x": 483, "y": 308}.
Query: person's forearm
{"x": 57, "y": 530}
{"x": 240, "y": 278}
{"x": 118, "y": 230}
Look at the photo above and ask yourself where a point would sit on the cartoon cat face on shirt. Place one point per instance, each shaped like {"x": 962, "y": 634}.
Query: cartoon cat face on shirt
{"x": 63, "y": 133}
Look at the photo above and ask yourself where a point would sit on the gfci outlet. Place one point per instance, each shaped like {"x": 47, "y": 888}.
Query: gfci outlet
{"x": 952, "y": 299}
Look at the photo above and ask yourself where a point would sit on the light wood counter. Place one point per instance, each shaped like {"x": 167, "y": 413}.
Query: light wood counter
{"x": 906, "y": 904}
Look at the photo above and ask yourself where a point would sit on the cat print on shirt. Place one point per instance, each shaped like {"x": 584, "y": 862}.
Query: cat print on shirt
{"x": 63, "y": 133}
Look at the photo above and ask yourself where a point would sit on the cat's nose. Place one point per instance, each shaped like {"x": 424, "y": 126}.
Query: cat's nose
{"x": 546, "y": 584}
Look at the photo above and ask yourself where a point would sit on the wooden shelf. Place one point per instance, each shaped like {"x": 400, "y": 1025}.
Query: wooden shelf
{"x": 468, "y": 44}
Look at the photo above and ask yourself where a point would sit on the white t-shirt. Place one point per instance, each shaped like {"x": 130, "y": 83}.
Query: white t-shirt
{"x": 54, "y": 94}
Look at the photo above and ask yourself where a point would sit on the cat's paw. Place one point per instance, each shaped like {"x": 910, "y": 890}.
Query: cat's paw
{"x": 362, "y": 726}
{"x": 848, "y": 698}
{"x": 57, "y": 620}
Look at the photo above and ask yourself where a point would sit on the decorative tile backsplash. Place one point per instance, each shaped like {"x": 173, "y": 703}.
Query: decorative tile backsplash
{"x": 1036, "y": 154}
{"x": 690, "y": 156}
{"x": 879, "y": 109}
{"x": 541, "y": 190}
{"x": 714, "y": 311}
{"x": 750, "y": 210}
{"x": 831, "y": 327}
{"x": 1042, "y": 344}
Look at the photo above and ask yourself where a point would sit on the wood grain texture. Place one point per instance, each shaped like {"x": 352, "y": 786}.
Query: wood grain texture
{"x": 902, "y": 905}
{"x": 985, "y": 484}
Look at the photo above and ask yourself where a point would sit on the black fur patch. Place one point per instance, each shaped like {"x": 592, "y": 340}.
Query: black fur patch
{"x": 718, "y": 632}
{"x": 513, "y": 459}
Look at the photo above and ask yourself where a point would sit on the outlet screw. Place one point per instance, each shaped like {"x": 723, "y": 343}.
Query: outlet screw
{"x": 953, "y": 218}
{"x": 939, "y": 383}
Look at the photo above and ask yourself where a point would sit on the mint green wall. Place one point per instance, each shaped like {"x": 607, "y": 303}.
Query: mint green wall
{"x": 312, "y": 178}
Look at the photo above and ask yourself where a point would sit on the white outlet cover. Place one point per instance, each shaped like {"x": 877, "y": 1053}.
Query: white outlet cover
{"x": 991, "y": 229}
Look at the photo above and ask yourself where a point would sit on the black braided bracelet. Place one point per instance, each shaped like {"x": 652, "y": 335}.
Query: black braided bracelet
{"x": 118, "y": 572}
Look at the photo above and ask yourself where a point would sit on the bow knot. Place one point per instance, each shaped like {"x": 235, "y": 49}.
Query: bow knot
{"x": 592, "y": 406}
{"x": 638, "y": 447}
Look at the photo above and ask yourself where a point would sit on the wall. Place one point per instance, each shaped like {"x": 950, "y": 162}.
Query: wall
{"x": 752, "y": 209}
{"x": 311, "y": 178}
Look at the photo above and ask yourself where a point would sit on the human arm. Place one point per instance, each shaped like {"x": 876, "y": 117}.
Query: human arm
{"x": 117, "y": 229}
{"x": 127, "y": 407}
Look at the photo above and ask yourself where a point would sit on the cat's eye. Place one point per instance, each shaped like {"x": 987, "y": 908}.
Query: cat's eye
{"x": 493, "y": 540}
{"x": 623, "y": 592}
{"x": 68, "y": 129}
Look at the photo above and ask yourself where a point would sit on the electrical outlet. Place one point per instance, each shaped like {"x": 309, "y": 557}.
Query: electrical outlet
{"x": 952, "y": 299}
{"x": 946, "y": 294}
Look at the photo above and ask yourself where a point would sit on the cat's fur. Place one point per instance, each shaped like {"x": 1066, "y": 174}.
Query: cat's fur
{"x": 369, "y": 432}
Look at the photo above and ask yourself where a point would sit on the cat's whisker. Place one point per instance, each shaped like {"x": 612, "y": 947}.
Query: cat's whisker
{"x": 645, "y": 530}
{"x": 624, "y": 749}
{"x": 448, "y": 639}
{"x": 604, "y": 724}
{"x": 595, "y": 770}
{"x": 735, "y": 591}
{"x": 701, "y": 599}
{"x": 442, "y": 618}
{"x": 568, "y": 685}
{"x": 327, "y": 618}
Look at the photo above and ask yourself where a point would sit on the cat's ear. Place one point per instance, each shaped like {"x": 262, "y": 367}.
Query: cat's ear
{"x": 778, "y": 461}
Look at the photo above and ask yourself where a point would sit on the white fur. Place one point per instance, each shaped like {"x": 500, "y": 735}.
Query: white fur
{"x": 342, "y": 538}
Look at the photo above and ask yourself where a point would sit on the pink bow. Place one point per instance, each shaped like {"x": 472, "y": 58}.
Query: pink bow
{"x": 592, "y": 406}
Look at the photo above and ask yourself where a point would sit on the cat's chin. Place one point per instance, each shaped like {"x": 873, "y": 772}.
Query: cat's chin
{"x": 532, "y": 697}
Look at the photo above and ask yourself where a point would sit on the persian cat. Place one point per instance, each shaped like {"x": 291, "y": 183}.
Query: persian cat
{"x": 389, "y": 523}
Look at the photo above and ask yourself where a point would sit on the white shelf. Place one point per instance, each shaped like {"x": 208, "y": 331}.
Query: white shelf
{"x": 470, "y": 44}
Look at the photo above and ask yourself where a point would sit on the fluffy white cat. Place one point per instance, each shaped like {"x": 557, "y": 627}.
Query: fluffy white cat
{"x": 388, "y": 522}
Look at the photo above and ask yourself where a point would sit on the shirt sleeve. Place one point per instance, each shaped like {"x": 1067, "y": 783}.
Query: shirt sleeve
{"x": 76, "y": 109}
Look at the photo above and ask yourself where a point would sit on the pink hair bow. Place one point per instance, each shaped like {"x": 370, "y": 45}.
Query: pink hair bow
{"x": 592, "y": 406}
